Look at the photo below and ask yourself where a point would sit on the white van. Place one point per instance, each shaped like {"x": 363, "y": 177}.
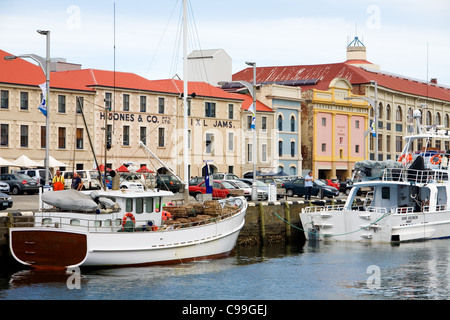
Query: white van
{"x": 89, "y": 177}
{"x": 38, "y": 175}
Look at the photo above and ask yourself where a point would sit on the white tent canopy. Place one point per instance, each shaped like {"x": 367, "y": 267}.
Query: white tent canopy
{"x": 6, "y": 163}
{"x": 53, "y": 163}
{"x": 25, "y": 162}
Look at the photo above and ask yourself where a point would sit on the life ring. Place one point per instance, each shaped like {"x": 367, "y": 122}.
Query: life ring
{"x": 400, "y": 159}
{"x": 436, "y": 159}
{"x": 405, "y": 158}
{"x": 125, "y": 218}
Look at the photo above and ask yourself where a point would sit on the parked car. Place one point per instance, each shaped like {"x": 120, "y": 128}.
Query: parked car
{"x": 224, "y": 176}
{"x": 196, "y": 181}
{"x": 169, "y": 182}
{"x": 38, "y": 175}
{"x": 264, "y": 187}
{"x": 262, "y": 194}
{"x": 89, "y": 177}
{"x": 320, "y": 189}
{"x": 20, "y": 183}
{"x": 268, "y": 180}
{"x": 4, "y": 187}
{"x": 220, "y": 189}
{"x": 332, "y": 182}
{"x": 5, "y": 201}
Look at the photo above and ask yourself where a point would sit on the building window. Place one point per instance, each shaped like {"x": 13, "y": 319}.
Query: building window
{"x": 428, "y": 120}
{"x": 61, "y": 138}
{"x": 80, "y": 138}
{"x": 43, "y": 136}
{"x": 161, "y": 137}
{"x": 264, "y": 152}
{"x": 4, "y": 135}
{"x": 61, "y": 104}
{"x": 126, "y": 102}
{"x": 230, "y": 141}
{"x": 380, "y": 110}
{"x": 388, "y": 143}
{"x": 447, "y": 121}
{"x": 280, "y": 123}
{"x": 356, "y": 124}
{"x": 280, "y": 148}
{"x": 380, "y": 142}
{"x": 292, "y": 149}
{"x": 24, "y": 101}
{"x": 324, "y": 122}
{"x": 126, "y": 135}
{"x": 210, "y": 109}
{"x": 398, "y": 114}
{"x": 438, "y": 119}
{"x": 209, "y": 143}
{"x": 250, "y": 152}
{"x": 249, "y": 122}
{"x": 230, "y": 111}
{"x": 4, "y": 99}
{"x": 292, "y": 124}
{"x": 160, "y": 105}
{"x": 324, "y": 147}
{"x": 143, "y": 134}
{"x": 108, "y": 100}
{"x": 388, "y": 112}
{"x": 24, "y": 136}
{"x": 143, "y": 104}
{"x": 398, "y": 144}
{"x": 79, "y": 101}
{"x": 357, "y": 148}
{"x": 189, "y": 108}
{"x": 264, "y": 124}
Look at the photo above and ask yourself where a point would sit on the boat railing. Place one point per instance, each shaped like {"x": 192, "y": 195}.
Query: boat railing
{"x": 412, "y": 175}
{"x": 324, "y": 208}
{"x": 63, "y": 221}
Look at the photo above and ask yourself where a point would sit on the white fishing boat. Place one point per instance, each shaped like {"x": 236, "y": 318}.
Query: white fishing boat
{"x": 410, "y": 201}
{"x": 118, "y": 228}
{"x": 128, "y": 227}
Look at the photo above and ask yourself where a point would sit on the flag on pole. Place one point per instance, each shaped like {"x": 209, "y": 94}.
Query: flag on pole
{"x": 43, "y": 105}
{"x": 252, "y": 110}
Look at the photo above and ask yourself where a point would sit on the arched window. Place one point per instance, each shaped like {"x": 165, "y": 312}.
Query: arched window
{"x": 380, "y": 110}
{"x": 398, "y": 114}
{"x": 410, "y": 115}
{"x": 280, "y": 123}
{"x": 428, "y": 119}
{"x": 438, "y": 119}
{"x": 447, "y": 121}
{"x": 292, "y": 149}
{"x": 388, "y": 112}
{"x": 292, "y": 124}
{"x": 280, "y": 148}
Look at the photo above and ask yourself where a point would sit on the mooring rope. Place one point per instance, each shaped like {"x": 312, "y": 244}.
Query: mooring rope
{"x": 332, "y": 235}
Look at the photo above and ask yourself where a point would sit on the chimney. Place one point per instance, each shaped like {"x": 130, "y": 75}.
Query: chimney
{"x": 433, "y": 80}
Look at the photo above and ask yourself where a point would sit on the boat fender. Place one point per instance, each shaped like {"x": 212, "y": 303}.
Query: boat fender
{"x": 436, "y": 159}
{"x": 166, "y": 215}
{"x": 125, "y": 218}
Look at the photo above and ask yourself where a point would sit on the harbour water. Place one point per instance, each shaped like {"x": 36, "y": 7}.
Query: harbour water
{"x": 306, "y": 271}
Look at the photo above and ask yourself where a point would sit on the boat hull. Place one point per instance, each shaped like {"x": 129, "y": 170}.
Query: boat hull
{"x": 205, "y": 241}
{"x": 375, "y": 227}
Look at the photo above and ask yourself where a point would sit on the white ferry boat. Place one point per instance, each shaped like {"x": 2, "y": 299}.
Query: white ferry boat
{"x": 409, "y": 202}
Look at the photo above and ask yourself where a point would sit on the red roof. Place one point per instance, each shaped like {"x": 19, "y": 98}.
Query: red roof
{"x": 248, "y": 100}
{"x": 23, "y": 72}
{"x": 325, "y": 73}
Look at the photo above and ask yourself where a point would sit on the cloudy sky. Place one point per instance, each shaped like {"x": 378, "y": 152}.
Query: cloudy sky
{"x": 407, "y": 37}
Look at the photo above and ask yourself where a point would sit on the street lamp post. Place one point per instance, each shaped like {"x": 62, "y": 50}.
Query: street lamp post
{"x": 45, "y": 66}
{"x": 254, "y": 188}
{"x": 373, "y": 104}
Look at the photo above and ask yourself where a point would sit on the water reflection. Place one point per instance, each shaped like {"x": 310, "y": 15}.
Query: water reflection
{"x": 322, "y": 270}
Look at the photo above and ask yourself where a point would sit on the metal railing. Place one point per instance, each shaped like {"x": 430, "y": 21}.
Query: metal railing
{"x": 412, "y": 175}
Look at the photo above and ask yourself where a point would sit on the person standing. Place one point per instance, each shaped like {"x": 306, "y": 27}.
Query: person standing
{"x": 58, "y": 181}
{"x": 308, "y": 184}
{"x": 77, "y": 182}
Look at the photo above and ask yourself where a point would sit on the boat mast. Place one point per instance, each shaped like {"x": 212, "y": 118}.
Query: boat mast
{"x": 185, "y": 106}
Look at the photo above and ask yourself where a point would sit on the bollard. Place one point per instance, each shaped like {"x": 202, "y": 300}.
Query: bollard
{"x": 287, "y": 217}
{"x": 262, "y": 223}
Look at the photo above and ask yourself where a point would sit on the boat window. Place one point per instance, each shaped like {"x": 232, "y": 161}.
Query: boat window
{"x": 74, "y": 222}
{"x": 46, "y": 221}
{"x": 107, "y": 223}
{"x": 129, "y": 205}
{"x": 117, "y": 222}
{"x": 385, "y": 193}
{"x": 97, "y": 223}
{"x": 148, "y": 205}
{"x": 158, "y": 203}
{"x": 139, "y": 205}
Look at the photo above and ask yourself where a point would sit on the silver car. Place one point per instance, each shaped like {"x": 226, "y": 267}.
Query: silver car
{"x": 4, "y": 187}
